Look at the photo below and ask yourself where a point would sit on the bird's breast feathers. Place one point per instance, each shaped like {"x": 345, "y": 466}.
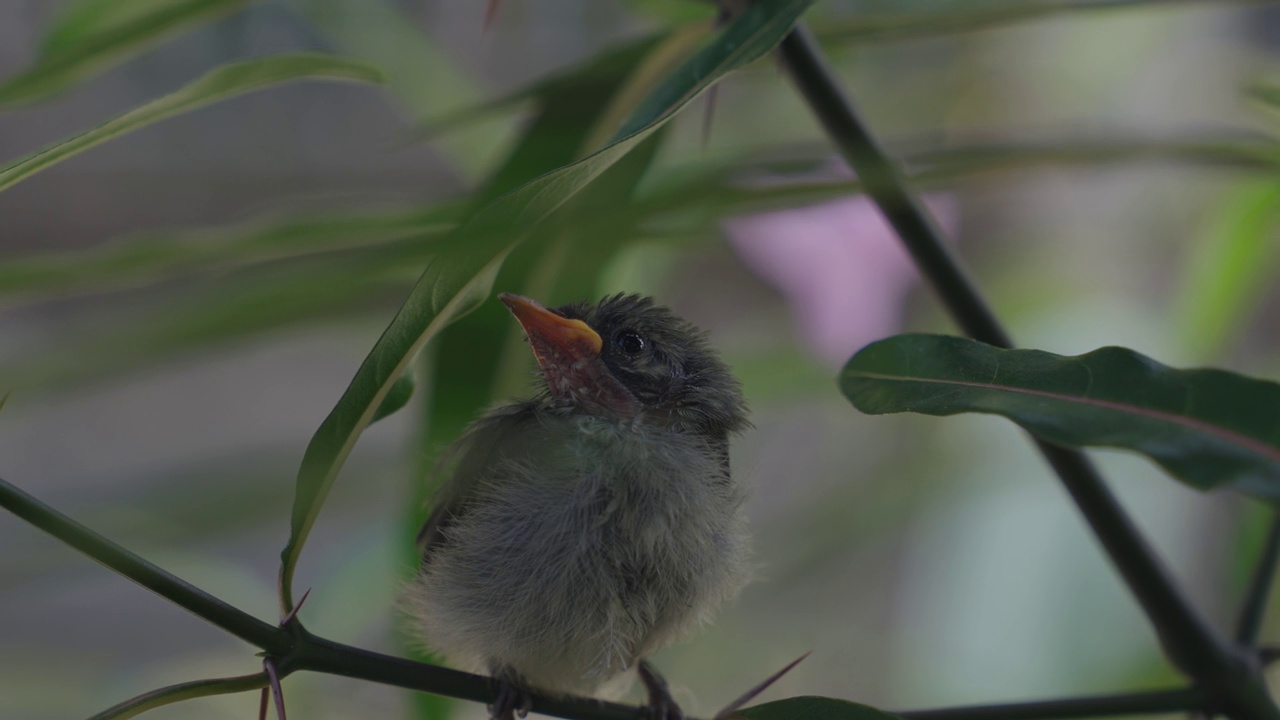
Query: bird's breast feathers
{"x": 583, "y": 551}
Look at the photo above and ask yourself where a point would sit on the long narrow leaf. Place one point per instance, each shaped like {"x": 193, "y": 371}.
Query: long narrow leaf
{"x": 218, "y": 84}
{"x": 182, "y": 691}
{"x": 138, "y": 260}
{"x": 1209, "y": 428}
{"x": 94, "y": 35}
{"x": 217, "y": 314}
{"x": 1232, "y": 266}
{"x": 909, "y": 24}
{"x": 461, "y": 277}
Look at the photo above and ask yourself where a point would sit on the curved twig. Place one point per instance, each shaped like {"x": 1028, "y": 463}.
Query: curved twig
{"x": 182, "y": 691}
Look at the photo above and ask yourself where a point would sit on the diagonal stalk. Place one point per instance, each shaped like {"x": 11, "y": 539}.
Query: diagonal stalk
{"x": 291, "y": 646}
{"x": 1255, "y": 599}
{"x": 1193, "y": 645}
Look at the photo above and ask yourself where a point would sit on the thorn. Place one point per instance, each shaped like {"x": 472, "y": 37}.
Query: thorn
{"x": 491, "y": 12}
{"x": 760, "y": 687}
{"x": 277, "y": 692}
{"x": 5, "y": 399}
{"x": 294, "y": 612}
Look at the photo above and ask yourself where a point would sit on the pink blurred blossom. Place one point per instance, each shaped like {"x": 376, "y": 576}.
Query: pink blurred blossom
{"x": 841, "y": 268}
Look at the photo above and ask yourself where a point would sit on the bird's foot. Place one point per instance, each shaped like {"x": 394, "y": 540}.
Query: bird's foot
{"x": 512, "y": 698}
{"x": 661, "y": 705}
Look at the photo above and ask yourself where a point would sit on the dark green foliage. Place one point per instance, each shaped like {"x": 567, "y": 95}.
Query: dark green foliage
{"x": 1209, "y": 428}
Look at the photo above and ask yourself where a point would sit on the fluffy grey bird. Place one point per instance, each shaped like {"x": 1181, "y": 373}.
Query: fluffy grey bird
{"x": 584, "y": 529}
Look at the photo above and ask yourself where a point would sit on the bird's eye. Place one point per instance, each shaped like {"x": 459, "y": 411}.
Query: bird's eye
{"x": 630, "y": 343}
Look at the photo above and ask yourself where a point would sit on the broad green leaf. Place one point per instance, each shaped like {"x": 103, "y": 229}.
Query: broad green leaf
{"x": 398, "y": 396}
{"x": 460, "y": 278}
{"x": 1209, "y": 428}
{"x": 812, "y": 708}
{"x": 218, "y": 84}
{"x": 93, "y": 35}
{"x": 139, "y": 260}
{"x": 1229, "y": 268}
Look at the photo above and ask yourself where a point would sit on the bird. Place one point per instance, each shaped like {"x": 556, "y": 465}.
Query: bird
{"x": 576, "y": 532}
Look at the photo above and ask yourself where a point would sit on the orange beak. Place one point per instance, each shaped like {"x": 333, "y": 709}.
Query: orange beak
{"x": 557, "y": 341}
{"x": 568, "y": 351}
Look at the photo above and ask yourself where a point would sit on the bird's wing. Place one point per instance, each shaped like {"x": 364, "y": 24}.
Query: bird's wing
{"x": 468, "y": 461}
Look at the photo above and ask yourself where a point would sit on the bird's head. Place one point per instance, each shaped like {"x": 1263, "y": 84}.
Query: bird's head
{"x": 630, "y": 358}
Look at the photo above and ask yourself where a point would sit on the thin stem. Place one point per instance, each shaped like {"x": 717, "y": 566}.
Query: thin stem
{"x": 1255, "y": 599}
{"x": 1143, "y": 703}
{"x": 321, "y": 655}
{"x": 1191, "y": 643}
{"x": 178, "y": 591}
{"x": 803, "y": 61}
{"x": 182, "y": 691}
{"x": 293, "y": 647}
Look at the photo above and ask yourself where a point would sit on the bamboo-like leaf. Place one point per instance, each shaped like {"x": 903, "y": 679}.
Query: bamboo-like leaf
{"x": 812, "y": 708}
{"x": 398, "y": 396}
{"x": 138, "y": 260}
{"x": 226, "y": 312}
{"x": 901, "y": 25}
{"x": 461, "y": 277}
{"x": 1209, "y": 428}
{"x": 93, "y": 35}
{"x": 218, "y": 84}
{"x": 1231, "y": 267}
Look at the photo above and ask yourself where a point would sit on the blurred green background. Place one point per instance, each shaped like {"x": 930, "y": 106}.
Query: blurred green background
{"x": 180, "y": 308}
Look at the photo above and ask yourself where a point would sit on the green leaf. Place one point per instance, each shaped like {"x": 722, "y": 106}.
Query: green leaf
{"x": 813, "y": 708}
{"x": 1230, "y": 267}
{"x": 218, "y": 84}
{"x": 1209, "y": 428}
{"x": 397, "y": 397}
{"x": 142, "y": 259}
{"x": 182, "y": 691}
{"x": 241, "y": 306}
{"x": 93, "y": 35}
{"x": 968, "y": 18}
{"x": 461, "y": 277}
